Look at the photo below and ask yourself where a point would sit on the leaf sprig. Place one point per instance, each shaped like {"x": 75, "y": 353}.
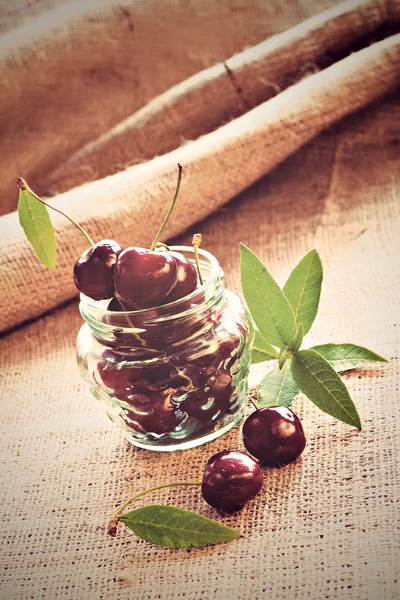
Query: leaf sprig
{"x": 169, "y": 526}
{"x": 283, "y": 317}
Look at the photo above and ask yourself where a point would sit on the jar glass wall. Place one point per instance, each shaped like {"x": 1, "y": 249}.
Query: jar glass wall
{"x": 174, "y": 376}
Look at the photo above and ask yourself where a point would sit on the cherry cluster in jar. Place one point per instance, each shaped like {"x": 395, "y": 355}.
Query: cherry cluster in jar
{"x": 159, "y": 397}
{"x": 274, "y": 435}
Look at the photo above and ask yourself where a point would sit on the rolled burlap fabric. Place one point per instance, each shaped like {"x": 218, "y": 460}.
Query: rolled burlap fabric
{"x": 217, "y": 167}
{"x": 223, "y": 92}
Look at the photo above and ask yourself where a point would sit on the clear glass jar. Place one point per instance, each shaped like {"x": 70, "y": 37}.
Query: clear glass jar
{"x": 175, "y": 376}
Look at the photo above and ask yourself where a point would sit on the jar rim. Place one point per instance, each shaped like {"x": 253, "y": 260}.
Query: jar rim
{"x": 98, "y": 305}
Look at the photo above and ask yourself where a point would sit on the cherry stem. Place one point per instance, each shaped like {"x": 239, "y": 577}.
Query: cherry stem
{"x": 196, "y": 241}
{"x": 253, "y": 403}
{"x": 163, "y": 246}
{"x": 167, "y": 216}
{"x": 153, "y": 489}
{"x": 25, "y": 187}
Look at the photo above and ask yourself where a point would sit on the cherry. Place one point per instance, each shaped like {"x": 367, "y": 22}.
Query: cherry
{"x": 115, "y": 374}
{"x": 94, "y": 270}
{"x": 274, "y": 435}
{"x": 144, "y": 278}
{"x": 231, "y": 478}
{"x": 125, "y": 379}
{"x": 186, "y": 278}
{"x": 153, "y": 412}
{"x": 220, "y": 352}
{"x": 147, "y": 278}
{"x": 205, "y": 406}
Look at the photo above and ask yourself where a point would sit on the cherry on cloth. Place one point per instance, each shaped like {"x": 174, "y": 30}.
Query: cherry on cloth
{"x": 274, "y": 435}
{"x": 231, "y": 478}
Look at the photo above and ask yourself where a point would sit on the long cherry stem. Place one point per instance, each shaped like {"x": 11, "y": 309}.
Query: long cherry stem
{"x": 253, "y": 403}
{"x": 153, "y": 489}
{"x": 112, "y": 526}
{"x": 167, "y": 216}
{"x": 24, "y": 186}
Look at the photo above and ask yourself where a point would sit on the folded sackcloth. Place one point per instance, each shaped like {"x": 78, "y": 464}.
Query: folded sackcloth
{"x": 269, "y": 117}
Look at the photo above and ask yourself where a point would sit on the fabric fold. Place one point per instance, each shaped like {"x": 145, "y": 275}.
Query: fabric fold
{"x": 227, "y": 90}
{"x": 217, "y": 166}
{"x": 73, "y": 73}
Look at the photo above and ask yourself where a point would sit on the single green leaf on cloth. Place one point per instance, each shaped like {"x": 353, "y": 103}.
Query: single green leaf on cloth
{"x": 262, "y": 350}
{"x": 278, "y": 388}
{"x": 303, "y": 289}
{"x": 344, "y": 357}
{"x": 318, "y": 380}
{"x": 268, "y": 305}
{"x": 35, "y": 221}
{"x": 176, "y": 528}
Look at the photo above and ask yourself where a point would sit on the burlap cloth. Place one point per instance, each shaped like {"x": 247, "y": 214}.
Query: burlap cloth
{"x": 325, "y": 527}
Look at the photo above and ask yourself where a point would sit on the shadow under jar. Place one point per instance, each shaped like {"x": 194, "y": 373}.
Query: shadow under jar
{"x": 175, "y": 376}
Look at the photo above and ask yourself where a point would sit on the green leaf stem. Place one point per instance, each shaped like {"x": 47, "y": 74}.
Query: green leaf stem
{"x": 298, "y": 340}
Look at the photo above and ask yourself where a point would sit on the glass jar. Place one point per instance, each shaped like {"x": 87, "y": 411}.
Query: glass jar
{"x": 175, "y": 376}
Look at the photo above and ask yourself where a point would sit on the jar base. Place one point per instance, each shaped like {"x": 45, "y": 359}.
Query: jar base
{"x": 204, "y": 439}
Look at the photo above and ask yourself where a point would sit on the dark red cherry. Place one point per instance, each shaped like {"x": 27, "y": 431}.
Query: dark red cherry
{"x": 274, "y": 435}
{"x": 186, "y": 278}
{"x": 231, "y": 478}
{"x": 94, "y": 270}
{"x": 115, "y": 373}
{"x": 154, "y": 412}
{"x": 144, "y": 278}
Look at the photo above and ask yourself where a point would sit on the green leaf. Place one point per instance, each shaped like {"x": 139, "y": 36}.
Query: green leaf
{"x": 284, "y": 354}
{"x": 268, "y": 305}
{"x": 176, "y": 528}
{"x": 298, "y": 340}
{"x": 303, "y": 289}
{"x": 277, "y": 388}
{"x": 38, "y": 228}
{"x": 262, "y": 350}
{"x": 344, "y": 357}
{"x": 323, "y": 386}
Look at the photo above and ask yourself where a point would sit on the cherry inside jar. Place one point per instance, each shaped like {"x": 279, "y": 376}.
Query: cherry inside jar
{"x": 174, "y": 376}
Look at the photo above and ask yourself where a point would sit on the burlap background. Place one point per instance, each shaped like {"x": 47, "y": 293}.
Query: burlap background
{"x": 326, "y": 527}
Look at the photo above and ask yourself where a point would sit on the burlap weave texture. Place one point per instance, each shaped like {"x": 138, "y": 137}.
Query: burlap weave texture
{"x": 217, "y": 166}
{"x": 324, "y": 527}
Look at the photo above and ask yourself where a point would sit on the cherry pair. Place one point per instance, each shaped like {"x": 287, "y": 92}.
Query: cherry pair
{"x": 274, "y": 435}
{"x": 138, "y": 277}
